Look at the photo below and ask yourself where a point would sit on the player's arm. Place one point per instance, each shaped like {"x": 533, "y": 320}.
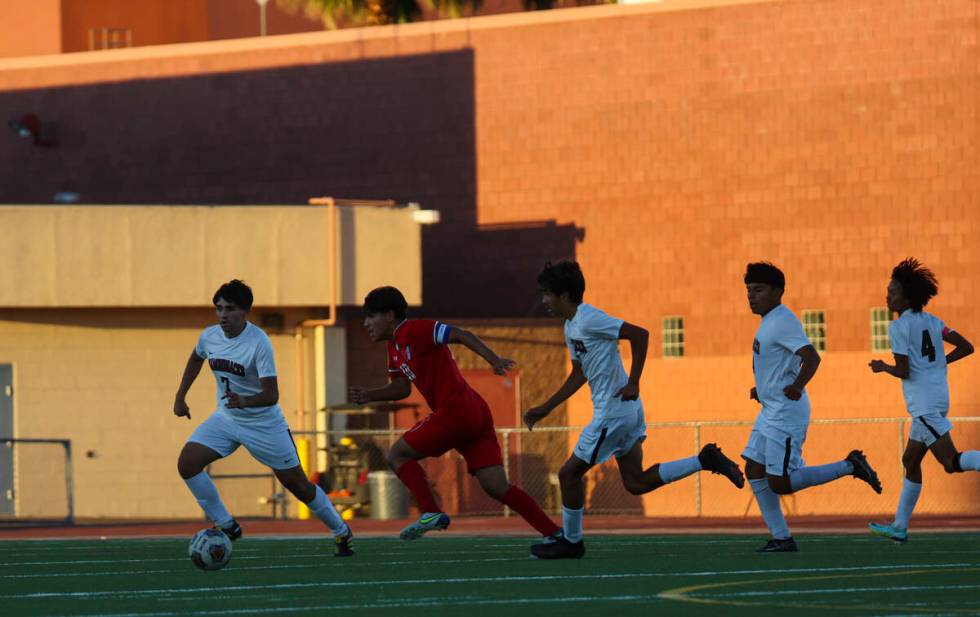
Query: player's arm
{"x": 900, "y": 369}
{"x": 638, "y": 338}
{"x": 473, "y": 343}
{"x": 575, "y": 380}
{"x": 809, "y": 361}
{"x": 266, "y": 398}
{"x": 399, "y": 387}
{"x": 191, "y": 371}
{"x": 961, "y": 347}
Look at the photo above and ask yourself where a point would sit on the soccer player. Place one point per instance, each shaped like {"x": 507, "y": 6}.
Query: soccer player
{"x": 418, "y": 353}
{"x": 921, "y": 366}
{"x": 618, "y": 427}
{"x": 240, "y": 356}
{"x": 784, "y": 361}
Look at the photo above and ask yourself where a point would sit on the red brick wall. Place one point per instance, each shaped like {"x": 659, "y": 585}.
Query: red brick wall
{"x": 664, "y": 147}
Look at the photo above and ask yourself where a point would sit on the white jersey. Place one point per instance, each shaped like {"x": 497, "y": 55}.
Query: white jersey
{"x": 776, "y": 365}
{"x": 920, "y": 337}
{"x": 238, "y": 364}
{"x": 593, "y": 341}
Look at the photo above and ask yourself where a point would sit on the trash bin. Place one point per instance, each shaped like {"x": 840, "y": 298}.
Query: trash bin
{"x": 388, "y": 497}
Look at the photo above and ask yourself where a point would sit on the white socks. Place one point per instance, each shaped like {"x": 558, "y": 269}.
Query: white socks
{"x": 970, "y": 460}
{"x": 772, "y": 511}
{"x": 571, "y": 521}
{"x": 324, "y": 510}
{"x": 206, "y": 493}
{"x": 819, "y": 474}
{"x": 675, "y": 470}
{"x": 906, "y": 503}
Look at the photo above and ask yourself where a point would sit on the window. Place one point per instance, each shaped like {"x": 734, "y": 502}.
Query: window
{"x": 880, "y": 318}
{"x": 815, "y": 328}
{"x": 673, "y": 337}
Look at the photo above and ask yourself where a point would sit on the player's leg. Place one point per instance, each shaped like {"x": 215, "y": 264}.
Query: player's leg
{"x": 952, "y": 460}
{"x": 638, "y": 481}
{"x": 495, "y": 483}
{"x": 429, "y": 438}
{"x": 794, "y": 476}
{"x": 570, "y": 543}
{"x": 915, "y": 451}
{"x": 755, "y": 455}
{"x": 213, "y": 439}
{"x": 296, "y": 482}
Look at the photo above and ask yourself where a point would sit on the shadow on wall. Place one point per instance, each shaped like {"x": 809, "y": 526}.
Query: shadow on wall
{"x": 397, "y": 128}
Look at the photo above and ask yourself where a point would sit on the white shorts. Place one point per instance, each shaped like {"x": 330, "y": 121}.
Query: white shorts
{"x": 608, "y": 437}
{"x": 273, "y": 447}
{"x": 779, "y": 448}
{"x": 930, "y": 427}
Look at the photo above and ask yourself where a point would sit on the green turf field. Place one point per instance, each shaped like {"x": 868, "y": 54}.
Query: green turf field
{"x": 620, "y": 575}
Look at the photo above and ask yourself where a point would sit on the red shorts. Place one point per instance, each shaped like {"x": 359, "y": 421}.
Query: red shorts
{"x": 467, "y": 427}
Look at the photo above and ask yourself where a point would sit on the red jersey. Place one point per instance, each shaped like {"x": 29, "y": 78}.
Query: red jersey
{"x": 418, "y": 350}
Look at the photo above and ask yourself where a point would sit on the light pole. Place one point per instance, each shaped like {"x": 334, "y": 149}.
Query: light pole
{"x": 262, "y": 24}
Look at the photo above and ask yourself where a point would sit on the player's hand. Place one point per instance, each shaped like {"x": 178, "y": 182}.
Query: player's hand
{"x": 629, "y": 392}
{"x": 754, "y": 394}
{"x": 233, "y": 400}
{"x": 502, "y": 365}
{"x": 181, "y": 409}
{"x": 793, "y": 392}
{"x": 358, "y": 396}
{"x": 878, "y": 366}
{"x": 533, "y": 415}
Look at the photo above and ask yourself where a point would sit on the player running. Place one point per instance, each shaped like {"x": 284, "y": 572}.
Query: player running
{"x": 921, "y": 366}
{"x": 241, "y": 359}
{"x": 460, "y": 418}
{"x": 618, "y": 427}
{"x": 784, "y": 361}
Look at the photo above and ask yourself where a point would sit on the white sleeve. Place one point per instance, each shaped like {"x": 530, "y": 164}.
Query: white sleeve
{"x": 791, "y": 335}
{"x": 201, "y": 349}
{"x": 601, "y": 325}
{"x": 898, "y": 336}
{"x": 265, "y": 363}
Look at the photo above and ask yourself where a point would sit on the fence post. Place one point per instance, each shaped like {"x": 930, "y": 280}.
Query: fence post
{"x": 69, "y": 483}
{"x": 697, "y": 476}
{"x": 901, "y": 438}
{"x": 505, "y": 434}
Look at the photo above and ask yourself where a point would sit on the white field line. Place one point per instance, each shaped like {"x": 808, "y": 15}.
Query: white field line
{"x": 460, "y": 580}
{"x": 806, "y": 592}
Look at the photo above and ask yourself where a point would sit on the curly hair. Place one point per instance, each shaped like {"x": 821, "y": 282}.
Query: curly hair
{"x": 918, "y": 282}
{"x": 563, "y": 277}
{"x": 766, "y": 273}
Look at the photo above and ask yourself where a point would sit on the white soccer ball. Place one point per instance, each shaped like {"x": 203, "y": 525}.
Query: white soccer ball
{"x": 210, "y": 549}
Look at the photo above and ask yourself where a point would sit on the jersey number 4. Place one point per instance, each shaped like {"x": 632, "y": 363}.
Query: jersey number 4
{"x": 928, "y": 350}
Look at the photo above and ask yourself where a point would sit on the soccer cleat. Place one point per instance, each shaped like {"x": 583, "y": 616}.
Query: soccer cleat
{"x": 862, "y": 470}
{"x": 426, "y": 523}
{"x": 889, "y": 531}
{"x": 712, "y": 459}
{"x": 779, "y": 546}
{"x": 558, "y": 548}
{"x": 344, "y": 544}
{"x": 233, "y": 530}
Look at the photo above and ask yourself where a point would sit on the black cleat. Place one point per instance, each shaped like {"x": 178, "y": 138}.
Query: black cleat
{"x": 862, "y": 470}
{"x": 779, "y": 546}
{"x": 233, "y": 530}
{"x": 712, "y": 459}
{"x": 344, "y": 544}
{"x": 560, "y": 548}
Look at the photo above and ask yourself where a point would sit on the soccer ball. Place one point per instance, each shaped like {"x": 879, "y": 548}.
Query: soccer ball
{"x": 210, "y": 549}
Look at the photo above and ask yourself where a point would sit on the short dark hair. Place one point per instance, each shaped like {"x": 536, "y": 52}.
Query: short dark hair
{"x": 384, "y": 299}
{"x": 766, "y": 273}
{"x": 918, "y": 282}
{"x": 563, "y": 277}
{"x": 236, "y": 292}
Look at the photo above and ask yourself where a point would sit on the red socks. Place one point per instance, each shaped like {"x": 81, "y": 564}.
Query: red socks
{"x": 413, "y": 476}
{"x": 522, "y": 503}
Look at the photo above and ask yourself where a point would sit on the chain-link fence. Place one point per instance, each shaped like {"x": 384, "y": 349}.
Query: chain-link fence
{"x": 533, "y": 459}
{"x": 36, "y": 483}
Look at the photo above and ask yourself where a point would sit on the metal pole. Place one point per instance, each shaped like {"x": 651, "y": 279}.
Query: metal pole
{"x": 262, "y": 22}
{"x": 697, "y": 477}
{"x": 506, "y": 438}
{"x": 69, "y": 483}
